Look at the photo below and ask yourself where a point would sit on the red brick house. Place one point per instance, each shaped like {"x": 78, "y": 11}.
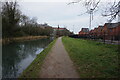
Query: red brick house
{"x": 116, "y": 32}
{"x": 91, "y": 32}
{"x": 99, "y": 31}
{"x": 84, "y": 31}
{"x": 108, "y": 30}
{"x": 95, "y": 31}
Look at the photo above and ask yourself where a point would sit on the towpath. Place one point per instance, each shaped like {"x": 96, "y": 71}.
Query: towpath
{"x": 58, "y": 64}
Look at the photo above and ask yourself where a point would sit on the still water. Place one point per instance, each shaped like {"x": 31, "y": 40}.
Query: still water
{"x": 17, "y": 56}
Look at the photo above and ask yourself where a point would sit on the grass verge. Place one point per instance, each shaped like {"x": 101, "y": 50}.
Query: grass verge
{"x": 32, "y": 71}
{"x": 93, "y": 59}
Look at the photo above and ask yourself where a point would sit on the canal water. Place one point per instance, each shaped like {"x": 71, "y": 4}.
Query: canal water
{"x": 17, "y": 56}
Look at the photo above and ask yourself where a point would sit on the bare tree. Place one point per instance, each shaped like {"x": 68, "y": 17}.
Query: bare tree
{"x": 24, "y": 20}
{"x": 10, "y": 18}
{"x": 92, "y": 6}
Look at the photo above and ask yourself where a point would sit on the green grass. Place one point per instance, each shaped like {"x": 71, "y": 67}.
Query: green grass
{"x": 32, "y": 71}
{"x": 93, "y": 59}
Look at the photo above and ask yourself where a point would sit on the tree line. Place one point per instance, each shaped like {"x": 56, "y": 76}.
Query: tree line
{"x": 16, "y": 24}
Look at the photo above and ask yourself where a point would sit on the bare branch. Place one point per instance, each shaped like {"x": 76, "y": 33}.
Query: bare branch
{"x": 114, "y": 10}
{"x": 74, "y": 2}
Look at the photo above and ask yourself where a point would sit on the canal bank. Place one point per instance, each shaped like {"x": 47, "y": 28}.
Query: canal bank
{"x": 32, "y": 71}
{"x": 21, "y": 39}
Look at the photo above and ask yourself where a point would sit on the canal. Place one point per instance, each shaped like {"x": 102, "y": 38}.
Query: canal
{"x": 16, "y": 57}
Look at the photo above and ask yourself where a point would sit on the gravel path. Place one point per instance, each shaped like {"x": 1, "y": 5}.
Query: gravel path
{"x": 57, "y": 63}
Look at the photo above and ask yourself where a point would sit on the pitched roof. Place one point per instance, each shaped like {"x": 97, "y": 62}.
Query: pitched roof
{"x": 85, "y": 29}
{"x": 112, "y": 25}
{"x": 101, "y": 26}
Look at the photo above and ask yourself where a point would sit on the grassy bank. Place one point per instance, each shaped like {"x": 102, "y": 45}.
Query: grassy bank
{"x": 32, "y": 71}
{"x": 19, "y": 39}
{"x": 93, "y": 59}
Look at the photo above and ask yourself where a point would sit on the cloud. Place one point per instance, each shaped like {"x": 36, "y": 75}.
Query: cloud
{"x": 70, "y": 21}
{"x": 55, "y": 13}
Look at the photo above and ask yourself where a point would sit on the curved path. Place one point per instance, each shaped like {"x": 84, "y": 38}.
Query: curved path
{"x": 57, "y": 63}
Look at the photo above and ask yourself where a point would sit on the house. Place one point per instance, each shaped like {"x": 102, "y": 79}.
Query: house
{"x": 108, "y": 30}
{"x": 84, "y": 31}
{"x": 91, "y": 32}
{"x": 57, "y": 31}
{"x": 94, "y": 33}
{"x": 116, "y": 32}
{"x": 99, "y": 31}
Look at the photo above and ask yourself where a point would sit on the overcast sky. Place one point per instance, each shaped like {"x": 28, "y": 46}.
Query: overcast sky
{"x": 57, "y": 12}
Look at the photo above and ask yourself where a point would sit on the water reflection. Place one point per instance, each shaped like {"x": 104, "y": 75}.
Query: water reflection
{"x": 16, "y": 57}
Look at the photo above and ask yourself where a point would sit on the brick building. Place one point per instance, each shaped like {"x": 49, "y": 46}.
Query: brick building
{"x": 110, "y": 31}
{"x": 84, "y": 31}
